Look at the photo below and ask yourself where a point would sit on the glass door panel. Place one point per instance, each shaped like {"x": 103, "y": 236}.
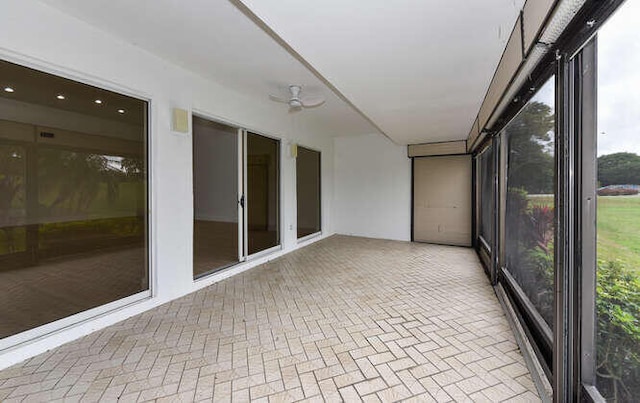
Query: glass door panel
{"x": 308, "y": 191}
{"x": 215, "y": 192}
{"x": 262, "y": 192}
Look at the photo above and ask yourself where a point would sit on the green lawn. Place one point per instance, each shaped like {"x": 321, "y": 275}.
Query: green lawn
{"x": 619, "y": 229}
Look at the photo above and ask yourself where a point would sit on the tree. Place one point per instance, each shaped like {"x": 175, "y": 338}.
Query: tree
{"x": 530, "y": 137}
{"x": 619, "y": 169}
{"x": 134, "y": 168}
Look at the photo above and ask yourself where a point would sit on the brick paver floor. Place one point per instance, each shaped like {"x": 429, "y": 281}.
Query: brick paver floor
{"x": 345, "y": 319}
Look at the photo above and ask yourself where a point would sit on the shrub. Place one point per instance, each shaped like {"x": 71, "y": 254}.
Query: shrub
{"x": 618, "y": 331}
{"x": 617, "y": 192}
{"x": 542, "y": 225}
{"x": 530, "y": 254}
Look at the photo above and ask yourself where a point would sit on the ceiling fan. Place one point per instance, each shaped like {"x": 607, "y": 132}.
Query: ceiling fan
{"x": 297, "y": 102}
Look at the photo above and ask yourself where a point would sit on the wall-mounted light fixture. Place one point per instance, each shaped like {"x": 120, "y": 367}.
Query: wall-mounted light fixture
{"x": 180, "y": 120}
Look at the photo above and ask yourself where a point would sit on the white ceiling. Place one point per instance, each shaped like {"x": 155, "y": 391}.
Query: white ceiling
{"x": 216, "y": 40}
{"x": 418, "y": 69}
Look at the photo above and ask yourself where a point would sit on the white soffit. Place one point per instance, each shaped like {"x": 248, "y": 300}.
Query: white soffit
{"x": 419, "y": 69}
{"x": 217, "y": 41}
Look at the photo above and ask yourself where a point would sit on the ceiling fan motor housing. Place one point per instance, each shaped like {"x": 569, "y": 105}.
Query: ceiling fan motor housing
{"x": 295, "y": 102}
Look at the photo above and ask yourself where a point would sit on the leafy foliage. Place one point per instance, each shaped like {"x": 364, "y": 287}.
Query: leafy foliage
{"x": 619, "y": 169}
{"x": 618, "y": 331}
{"x": 530, "y": 137}
{"x": 529, "y": 227}
{"x": 530, "y": 252}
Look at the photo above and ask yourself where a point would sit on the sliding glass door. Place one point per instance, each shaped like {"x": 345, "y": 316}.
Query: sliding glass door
{"x": 236, "y": 190}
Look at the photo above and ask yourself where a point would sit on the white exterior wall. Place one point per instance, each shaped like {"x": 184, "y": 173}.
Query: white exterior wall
{"x": 372, "y": 188}
{"x": 38, "y": 36}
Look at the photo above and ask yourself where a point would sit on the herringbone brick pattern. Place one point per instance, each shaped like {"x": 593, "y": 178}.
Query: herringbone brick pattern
{"x": 345, "y": 319}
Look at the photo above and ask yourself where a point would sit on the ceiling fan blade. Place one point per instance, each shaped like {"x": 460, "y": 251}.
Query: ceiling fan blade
{"x": 278, "y": 99}
{"x": 312, "y": 102}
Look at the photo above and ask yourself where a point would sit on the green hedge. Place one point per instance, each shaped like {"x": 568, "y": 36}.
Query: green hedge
{"x": 618, "y": 331}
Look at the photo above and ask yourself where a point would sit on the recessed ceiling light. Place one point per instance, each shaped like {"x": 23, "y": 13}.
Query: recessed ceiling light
{"x": 121, "y": 110}
{"x": 60, "y": 96}
{"x": 8, "y": 89}
{"x": 98, "y": 101}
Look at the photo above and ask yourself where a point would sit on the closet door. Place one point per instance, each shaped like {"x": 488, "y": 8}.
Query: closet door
{"x": 442, "y": 200}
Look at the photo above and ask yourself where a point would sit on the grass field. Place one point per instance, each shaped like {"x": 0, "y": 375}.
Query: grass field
{"x": 619, "y": 230}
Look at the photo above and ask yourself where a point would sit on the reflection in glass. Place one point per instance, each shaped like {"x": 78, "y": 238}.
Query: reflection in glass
{"x": 73, "y": 206}
{"x": 308, "y": 191}
{"x": 215, "y": 193}
{"x": 618, "y": 213}
{"x": 78, "y": 188}
{"x": 12, "y": 200}
{"x": 486, "y": 195}
{"x": 529, "y": 237}
{"x": 263, "y": 208}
